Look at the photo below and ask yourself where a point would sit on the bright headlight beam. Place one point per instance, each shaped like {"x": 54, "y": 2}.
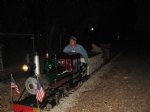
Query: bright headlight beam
{"x": 25, "y": 68}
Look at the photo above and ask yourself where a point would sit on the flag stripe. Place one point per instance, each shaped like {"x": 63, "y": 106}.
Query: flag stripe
{"x": 14, "y": 85}
{"x": 40, "y": 93}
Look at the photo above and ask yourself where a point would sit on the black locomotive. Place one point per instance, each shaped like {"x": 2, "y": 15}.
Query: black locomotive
{"x": 60, "y": 72}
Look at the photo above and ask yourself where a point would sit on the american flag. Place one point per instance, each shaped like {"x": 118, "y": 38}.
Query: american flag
{"x": 40, "y": 92}
{"x": 14, "y": 85}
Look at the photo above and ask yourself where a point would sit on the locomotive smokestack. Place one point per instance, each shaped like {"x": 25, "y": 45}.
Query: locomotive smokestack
{"x": 37, "y": 64}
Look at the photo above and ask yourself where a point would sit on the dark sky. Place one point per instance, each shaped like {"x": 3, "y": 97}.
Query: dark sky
{"x": 143, "y": 16}
{"x": 53, "y": 21}
{"x": 60, "y": 18}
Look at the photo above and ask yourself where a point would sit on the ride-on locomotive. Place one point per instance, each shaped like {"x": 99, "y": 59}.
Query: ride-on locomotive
{"x": 60, "y": 72}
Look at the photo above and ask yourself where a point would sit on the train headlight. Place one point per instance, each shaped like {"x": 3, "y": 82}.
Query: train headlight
{"x": 25, "y": 68}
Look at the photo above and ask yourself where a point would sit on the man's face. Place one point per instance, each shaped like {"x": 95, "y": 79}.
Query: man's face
{"x": 72, "y": 43}
{"x": 93, "y": 45}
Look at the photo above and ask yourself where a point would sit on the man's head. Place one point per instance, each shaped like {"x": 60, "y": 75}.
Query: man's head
{"x": 72, "y": 41}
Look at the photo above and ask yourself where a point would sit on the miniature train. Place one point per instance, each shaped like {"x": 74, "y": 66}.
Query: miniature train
{"x": 60, "y": 72}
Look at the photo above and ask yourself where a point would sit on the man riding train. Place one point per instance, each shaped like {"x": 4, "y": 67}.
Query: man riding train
{"x": 73, "y": 47}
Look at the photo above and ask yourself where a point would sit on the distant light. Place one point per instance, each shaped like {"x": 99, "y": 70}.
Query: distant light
{"x": 92, "y": 29}
{"x": 118, "y": 36}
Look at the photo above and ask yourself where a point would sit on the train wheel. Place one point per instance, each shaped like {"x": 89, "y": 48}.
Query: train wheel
{"x": 65, "y": 92}
{"x": 57, "y": 98}
{"x": 48, "y": 107}
{"x": 80, "y": 84}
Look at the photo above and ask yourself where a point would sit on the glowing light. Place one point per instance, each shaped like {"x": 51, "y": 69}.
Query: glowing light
{"x": 25, "y": 68}
{"x": 92, "y": 29}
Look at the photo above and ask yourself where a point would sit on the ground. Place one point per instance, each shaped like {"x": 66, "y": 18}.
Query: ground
{"x": 122, "y": 85}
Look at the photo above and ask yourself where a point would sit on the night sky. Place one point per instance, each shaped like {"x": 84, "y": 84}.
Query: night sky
{"x": 52, "y": 22}
{"x": 143, "y": 16}
{"x": 111, "y": 17}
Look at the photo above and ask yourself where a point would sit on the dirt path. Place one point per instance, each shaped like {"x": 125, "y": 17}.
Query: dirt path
{"x": 125, "y": 88}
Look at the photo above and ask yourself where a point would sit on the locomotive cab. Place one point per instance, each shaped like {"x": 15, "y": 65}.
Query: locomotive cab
{"x": 64, "y": 61}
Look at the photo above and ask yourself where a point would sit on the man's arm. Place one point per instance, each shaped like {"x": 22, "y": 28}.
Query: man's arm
{"x": 84, "y": 53}
{"x": 66, "y": 49}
